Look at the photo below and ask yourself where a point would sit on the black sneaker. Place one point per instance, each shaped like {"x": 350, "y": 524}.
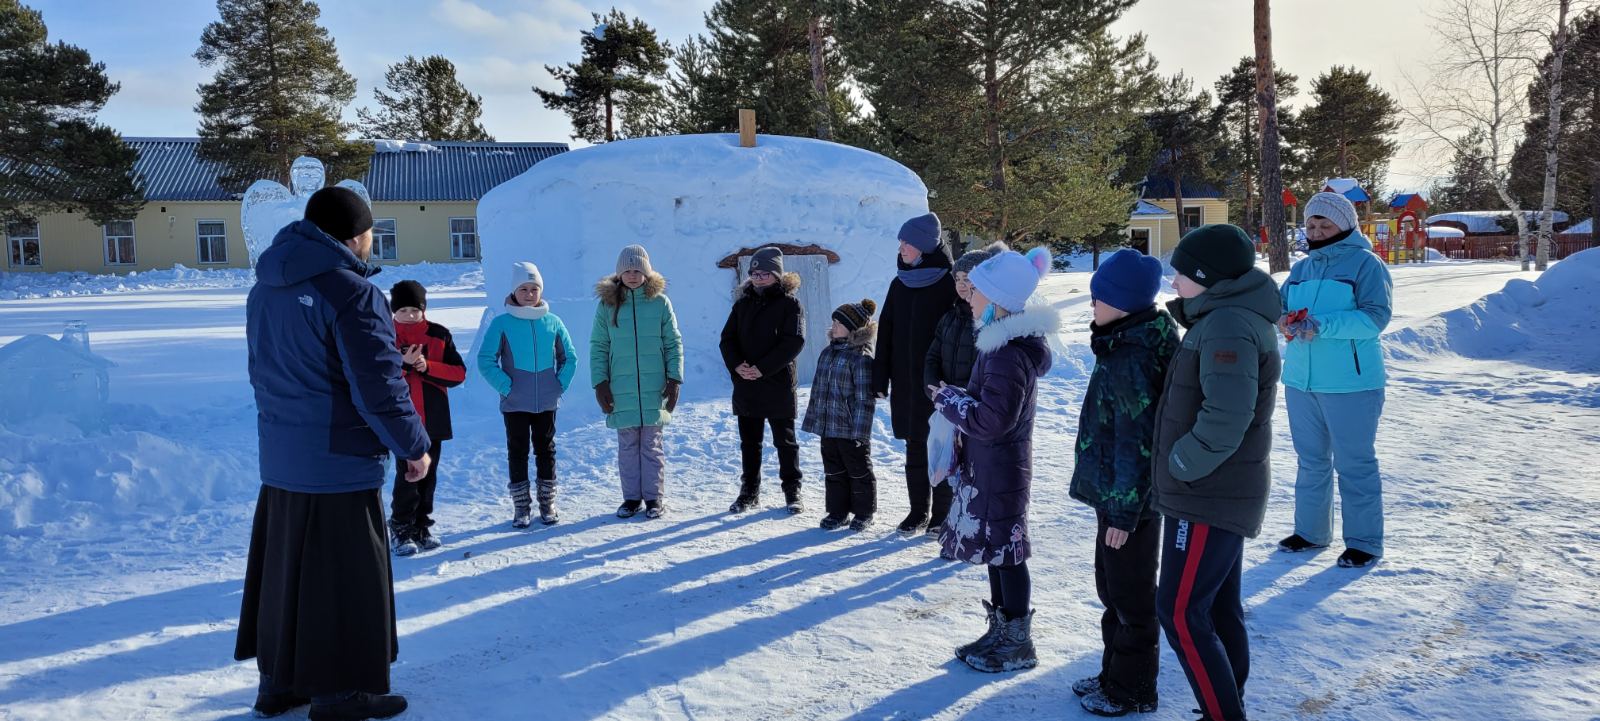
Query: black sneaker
{"x": 360, "y": 706}
{"x": 744, "y": 503}
{"x": 655, "y": 509}
{"x": 912, "y": 525}
{"x": 861, "y": 523}
{"x": 1296, "y": 544}
{"x": 830, "y": 523}
{"x": 628, "y": 508}
{"x": 269, "y": 705}
{"x": 1354, "y": 558}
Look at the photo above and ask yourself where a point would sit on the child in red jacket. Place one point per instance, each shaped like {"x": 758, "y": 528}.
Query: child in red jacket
{"x": 432, "y": 365}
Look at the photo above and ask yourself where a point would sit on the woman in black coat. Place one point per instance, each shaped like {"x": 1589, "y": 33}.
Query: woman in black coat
{"x": 764, "y": 334}
{"x": 918, "y": 298}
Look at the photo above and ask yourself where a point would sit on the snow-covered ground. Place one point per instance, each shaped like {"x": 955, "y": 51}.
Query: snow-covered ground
{"x": 122, "y": 549}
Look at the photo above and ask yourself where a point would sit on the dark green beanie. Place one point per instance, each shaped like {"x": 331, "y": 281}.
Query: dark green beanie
{"x": 1212, "y": 253}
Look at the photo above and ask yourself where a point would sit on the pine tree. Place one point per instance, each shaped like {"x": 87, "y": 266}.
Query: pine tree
{"x": 1347, "y": 129}
{"x": 1239, "y": 117}
{"x": 54, "y": 157}
{"x": 762, "y": 55}
{"x": 620, "y": 73}
{"x": 425, "y": 102}
{"x": 1188, "y": 138}
{"x": 1470, "y": 185}
{"x": 278, "y": 94}
{"x": 1578, "y": 182}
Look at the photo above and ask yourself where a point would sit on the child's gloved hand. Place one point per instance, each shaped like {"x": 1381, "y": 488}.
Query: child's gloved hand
{"x": 602, "y": 394}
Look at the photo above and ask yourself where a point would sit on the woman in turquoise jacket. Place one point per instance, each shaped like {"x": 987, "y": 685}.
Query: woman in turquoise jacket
{"x": 1336, "y": 304}
{"x": 636, "y": 365}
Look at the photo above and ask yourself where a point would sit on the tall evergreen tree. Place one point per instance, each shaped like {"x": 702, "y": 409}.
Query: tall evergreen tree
{"x": 762, "y": 53}
{"x": 1347, "y": 130}
{"x": 54, "y": 157}
{"x": 1188, "y": 138}
{"x": 1578, "y": 181}
{"x": 278, "y": 94}
{"x": 621, "y": 72}
{"x": 1470, "y": 185}
{"x": 1239, "y": 117}
{"x": 425, "y": 101}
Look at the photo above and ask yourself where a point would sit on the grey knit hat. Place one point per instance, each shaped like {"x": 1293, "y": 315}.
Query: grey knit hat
{"x": 634, "y": 257}
{"x": 972, "y": 258}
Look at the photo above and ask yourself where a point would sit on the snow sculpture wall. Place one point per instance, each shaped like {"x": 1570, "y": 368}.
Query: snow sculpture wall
{"x": 692, "y": 201}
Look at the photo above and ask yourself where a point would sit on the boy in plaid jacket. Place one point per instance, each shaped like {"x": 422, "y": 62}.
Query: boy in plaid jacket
{"x": 840, "y": 411}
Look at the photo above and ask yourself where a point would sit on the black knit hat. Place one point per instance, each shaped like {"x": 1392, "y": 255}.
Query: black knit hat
{"x": 769, "y": 259}
{"x": 855, "y": 316}
{"x": 1213, "y": 253}
{"x": 339, "y": 212}
{"x": 408, "y": 294}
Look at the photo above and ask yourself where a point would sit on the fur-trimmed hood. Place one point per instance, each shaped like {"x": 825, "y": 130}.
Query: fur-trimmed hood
{"x": 860, "y": 338}
{"x": 610, "y": 289}
{"x": 1039, "y": 320}
{"x": 788, "y": 283}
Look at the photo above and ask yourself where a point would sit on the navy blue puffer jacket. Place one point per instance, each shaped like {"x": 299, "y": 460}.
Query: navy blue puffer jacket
{"x": 331, "y": 398}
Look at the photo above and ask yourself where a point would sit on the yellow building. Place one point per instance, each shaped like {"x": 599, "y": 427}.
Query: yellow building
{"x": 1153, "y": 224}
{"x": 424, "y": 207}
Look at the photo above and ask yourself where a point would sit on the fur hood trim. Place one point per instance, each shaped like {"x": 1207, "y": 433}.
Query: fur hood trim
{"x": 610, "y": 289}
{"x": 789, "y": 283}
{"x": 1039, "y": 320}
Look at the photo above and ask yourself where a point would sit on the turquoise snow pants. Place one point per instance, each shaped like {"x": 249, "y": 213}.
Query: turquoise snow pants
{"x": 1337, "y": 431}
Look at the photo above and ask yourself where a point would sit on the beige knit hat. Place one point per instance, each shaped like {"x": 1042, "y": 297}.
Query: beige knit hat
{"x": 634, "y": 257}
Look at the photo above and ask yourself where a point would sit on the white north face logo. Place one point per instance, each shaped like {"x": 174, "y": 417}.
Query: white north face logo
{"x": 305, "y": 300}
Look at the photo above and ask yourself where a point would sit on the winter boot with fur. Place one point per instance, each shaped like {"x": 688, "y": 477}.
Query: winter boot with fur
{"x": 1012, "y": 649}
{"x": 522, "y": 500}
{"x": 547, "y": 501}
{"x": 988, "y": 636}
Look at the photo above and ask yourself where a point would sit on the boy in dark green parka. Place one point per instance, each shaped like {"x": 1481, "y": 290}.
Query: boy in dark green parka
{"x": 1133, "y": 342}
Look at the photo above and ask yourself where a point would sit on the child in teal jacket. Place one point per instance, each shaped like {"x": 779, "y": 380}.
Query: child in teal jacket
{"x": 528, "y": 358}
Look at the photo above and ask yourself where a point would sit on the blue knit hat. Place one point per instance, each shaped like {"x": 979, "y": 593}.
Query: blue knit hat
{"x": 1127, "y": 281}
{"x": 921, "y": 232}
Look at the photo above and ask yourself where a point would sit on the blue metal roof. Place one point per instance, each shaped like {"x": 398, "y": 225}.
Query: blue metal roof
{"x": 1145, "y": 207}
{"x": 462, "y": 171}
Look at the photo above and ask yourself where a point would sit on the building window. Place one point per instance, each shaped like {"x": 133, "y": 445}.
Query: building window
{"x": 1193, "y": 216}
{"x": 464, "y": 238}
{"x": 211, "y": 239}
{"x": 383, "y": 239}
{"x": 1139, "y": 239}
{"x": 119, "y": 242}
{"x": 22, "y": 237}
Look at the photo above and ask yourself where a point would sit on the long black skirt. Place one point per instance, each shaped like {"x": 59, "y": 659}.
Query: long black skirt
{"x": 318, "y": 612}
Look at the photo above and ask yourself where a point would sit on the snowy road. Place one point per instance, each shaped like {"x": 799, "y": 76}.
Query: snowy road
{"x": 1484, "y": 609}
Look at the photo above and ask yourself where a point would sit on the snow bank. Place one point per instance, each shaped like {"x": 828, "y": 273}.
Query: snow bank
{"x": 54, "y": 474}
{"x": 691, "y": 201}
{"x": 1554, "y": 319}
{"x": 21, "y": 286}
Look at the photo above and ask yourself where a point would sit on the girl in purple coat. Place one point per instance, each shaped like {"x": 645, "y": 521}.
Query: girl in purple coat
{"x": 988, "y": 523}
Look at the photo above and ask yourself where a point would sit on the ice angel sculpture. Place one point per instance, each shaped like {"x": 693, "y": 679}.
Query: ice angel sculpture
{"x": 268, "y": 206}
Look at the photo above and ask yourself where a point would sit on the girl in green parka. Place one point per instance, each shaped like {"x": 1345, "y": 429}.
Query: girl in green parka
{"x": 636, "y": 365}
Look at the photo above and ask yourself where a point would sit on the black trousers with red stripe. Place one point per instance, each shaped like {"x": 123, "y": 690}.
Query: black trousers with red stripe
{"x": 1200, "y": 609}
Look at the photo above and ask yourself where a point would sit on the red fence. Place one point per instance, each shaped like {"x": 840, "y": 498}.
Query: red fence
{"x": 1504, "y": 247}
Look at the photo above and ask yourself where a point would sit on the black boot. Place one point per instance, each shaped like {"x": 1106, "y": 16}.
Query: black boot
{"x": 1297, "y": 543}
{"x": 269, "y": 705}
{"x": 749, "y": 497}
{"x": 943, "y": 498}
{"x": 989, "y": 634}
{"x": 1012, "y": 649}
{"x": 916, "y": 521}
{"x": 358, "y": 706}
{"x": 791, "y": 501}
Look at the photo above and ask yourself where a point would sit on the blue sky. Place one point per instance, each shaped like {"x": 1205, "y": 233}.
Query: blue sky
{"x": 500, "y": 47}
